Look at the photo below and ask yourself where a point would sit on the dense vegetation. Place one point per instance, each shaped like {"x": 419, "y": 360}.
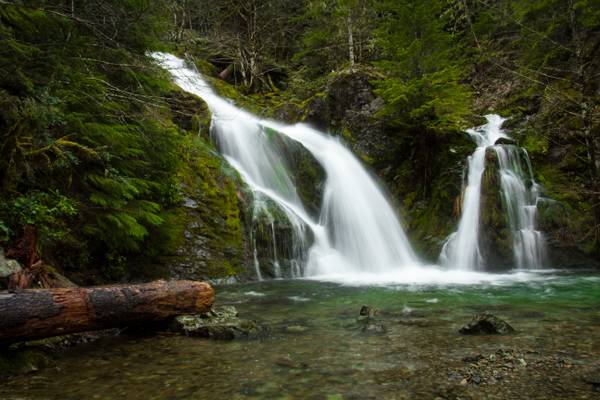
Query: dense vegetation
{"x": 94, "y": 153}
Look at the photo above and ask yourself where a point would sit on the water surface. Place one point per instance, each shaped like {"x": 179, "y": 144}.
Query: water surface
{"x": 314, "y": 348}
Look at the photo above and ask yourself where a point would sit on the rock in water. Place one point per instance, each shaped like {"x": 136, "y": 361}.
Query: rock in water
{"x": 593, "y": 378}
{"x": 221, "y": 323}
{"x": 486, "y": 324}
{"x": 368, "y": 311}
{"x": 367, "y": 319}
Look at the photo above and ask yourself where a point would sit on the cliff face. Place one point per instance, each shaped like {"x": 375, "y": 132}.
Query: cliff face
{"x": 424, "y": 172}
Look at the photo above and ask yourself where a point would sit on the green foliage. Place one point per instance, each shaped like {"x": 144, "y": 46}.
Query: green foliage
{"x": 85, "y": 139}
{"x": 50, "y": 213}
{"x": 424, "y": 89}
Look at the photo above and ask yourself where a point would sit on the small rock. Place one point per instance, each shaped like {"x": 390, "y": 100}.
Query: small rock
{"x": 486, "y": 324}
{"x": 374, "y": 328}
{"x": 296, "y": 329}
{"x": 8, "y": 266}
{"x": 593, "y": 378}
{"x": 522, "y": 362}
{"x": 368, "y": 311}
{"x": 190, "y": 203}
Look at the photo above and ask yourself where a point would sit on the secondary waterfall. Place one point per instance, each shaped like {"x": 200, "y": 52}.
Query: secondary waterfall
{"x": 520, "y": 195}
{"x": 356, "y": 231}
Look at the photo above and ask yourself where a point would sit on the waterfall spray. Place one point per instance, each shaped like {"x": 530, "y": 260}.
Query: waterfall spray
{"x": 357, "y": 229}
{"x": 520, "y": 195}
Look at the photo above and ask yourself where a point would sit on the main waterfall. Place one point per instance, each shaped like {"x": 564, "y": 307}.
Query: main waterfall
{"x": 357, "y": 230}
{"x": 520, "y": 195}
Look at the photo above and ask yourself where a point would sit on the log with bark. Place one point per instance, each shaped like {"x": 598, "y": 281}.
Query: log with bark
{"x": 39, "y": 313}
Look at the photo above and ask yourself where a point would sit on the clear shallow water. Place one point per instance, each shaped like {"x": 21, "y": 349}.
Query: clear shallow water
{"x": 315, "y": 348}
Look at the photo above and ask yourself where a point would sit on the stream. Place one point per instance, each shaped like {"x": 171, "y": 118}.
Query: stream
{"x": 313, "y": 347}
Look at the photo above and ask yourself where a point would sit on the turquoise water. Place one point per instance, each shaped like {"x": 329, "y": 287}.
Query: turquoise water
{"x": 314, "y": 347}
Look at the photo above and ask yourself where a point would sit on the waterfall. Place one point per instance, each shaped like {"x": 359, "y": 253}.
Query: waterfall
{"x": 357, "y": 230}
{"x": 520, "y": 195}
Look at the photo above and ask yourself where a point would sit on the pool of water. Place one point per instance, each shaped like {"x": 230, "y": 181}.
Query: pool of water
{"x": 313, "y": 347}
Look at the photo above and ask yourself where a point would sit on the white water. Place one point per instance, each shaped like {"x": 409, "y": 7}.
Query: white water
{"x": 357, "y": 232}
{"x": 461, "y": 250}
{"x": 529, "y": 244}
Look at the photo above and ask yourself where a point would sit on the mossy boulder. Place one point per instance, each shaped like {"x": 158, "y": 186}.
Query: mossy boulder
{"x": 210, "y": 241}
{"x": 495, "y": 234}
{"x": 220, "y": 323}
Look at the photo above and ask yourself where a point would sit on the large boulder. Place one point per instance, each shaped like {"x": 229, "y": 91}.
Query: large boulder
{"x": 7, "y": 268}
{"x": 220, "y": 323}
{"x": 486, "y": 324}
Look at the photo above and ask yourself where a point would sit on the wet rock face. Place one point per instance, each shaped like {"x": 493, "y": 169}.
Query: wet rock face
{"x": 348, "y": 107}
{"x": 486, "y": 324}
{"x": 495, "y": 235}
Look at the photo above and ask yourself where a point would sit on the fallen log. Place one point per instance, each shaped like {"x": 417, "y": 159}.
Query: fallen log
{"x": 39, "y": 313}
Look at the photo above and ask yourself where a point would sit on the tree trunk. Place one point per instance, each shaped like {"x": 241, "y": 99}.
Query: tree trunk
{"x": 350, "y": 40}
{"x": 38, "y": 313}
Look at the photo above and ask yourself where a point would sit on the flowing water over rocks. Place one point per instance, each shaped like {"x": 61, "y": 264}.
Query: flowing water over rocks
{"x": 357, "y": 230}
{"x": 498, "y": 177}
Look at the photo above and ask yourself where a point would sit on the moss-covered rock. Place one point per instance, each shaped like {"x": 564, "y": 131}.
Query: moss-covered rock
{"x": 495, "y": 237}
{"x": 210, "y": 241}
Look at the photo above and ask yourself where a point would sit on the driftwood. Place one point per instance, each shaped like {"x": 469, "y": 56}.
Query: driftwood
{"x": 39, "y": 313}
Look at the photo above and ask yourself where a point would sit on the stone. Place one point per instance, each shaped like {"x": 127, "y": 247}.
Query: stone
{"x": 486, "y": 324}
{"x": 505, "y": 141}
{"x": 296, "y": 329}
{"x": 374, "y": 328}
{"x": 190, "y": 203}
{"x": 368, "y": 311}
{"x": 220, "y": 323}
{"x": 8, "y": 266}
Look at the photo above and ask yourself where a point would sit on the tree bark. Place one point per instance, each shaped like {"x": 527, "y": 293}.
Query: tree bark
{"x": 38, "y": 313}
{"x": 350, "y": 40}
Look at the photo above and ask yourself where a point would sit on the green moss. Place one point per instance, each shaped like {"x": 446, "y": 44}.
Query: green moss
{"x": 215, "y": 219}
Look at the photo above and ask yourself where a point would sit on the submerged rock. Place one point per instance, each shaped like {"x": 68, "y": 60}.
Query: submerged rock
{"x": 221, "y": 323}
{"x": 486, "y": 324}
{"x": 296, "y": 329}
{"x": 367, "y": 319}
{"x": 593, "y": 378}
{"x": 374, "y": 328}
{"x": 367, "y": 312}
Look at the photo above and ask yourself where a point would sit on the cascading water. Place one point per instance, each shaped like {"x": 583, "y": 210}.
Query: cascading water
{"x": 520, "y": 195}
{"x": 357, "y": 230}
